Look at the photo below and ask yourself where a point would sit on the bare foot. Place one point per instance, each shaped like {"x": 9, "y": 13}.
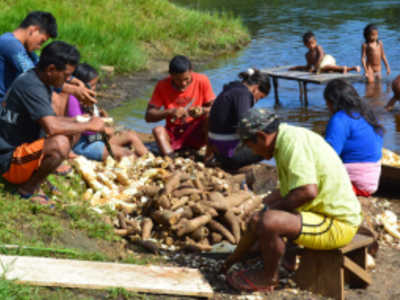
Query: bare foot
{"x": 344, "y": 70}
{"x": 72, "y": 155}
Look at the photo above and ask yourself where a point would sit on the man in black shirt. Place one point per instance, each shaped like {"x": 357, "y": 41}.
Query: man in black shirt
{"x": 34, "y": 141}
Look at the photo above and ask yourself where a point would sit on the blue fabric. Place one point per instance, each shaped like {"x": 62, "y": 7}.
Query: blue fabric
{"x": 354, "y": 140}
{"x": 89, "y": 150}
{"x": 14, "y": 60}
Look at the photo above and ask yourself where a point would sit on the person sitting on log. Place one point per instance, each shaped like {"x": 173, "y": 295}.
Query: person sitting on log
{"x": 187, "y": 98}
{"x": 318, "y": 61}
{"x": 356, "y": 135}
{"x": 236, "y": 98}
{"x": 34, "y": 141}
{"x": 91, "y": 144}
{"x": 314, "y": 207}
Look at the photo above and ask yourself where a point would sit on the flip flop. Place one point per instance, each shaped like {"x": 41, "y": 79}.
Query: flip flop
{"x": 253, "y": 288}
{"x": 54, "y": 190}
{"x": 33, "y": 195}
{"x": 63, "y": 173}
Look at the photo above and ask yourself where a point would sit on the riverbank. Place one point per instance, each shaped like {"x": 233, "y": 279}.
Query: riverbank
{"x": 128, "y": 34}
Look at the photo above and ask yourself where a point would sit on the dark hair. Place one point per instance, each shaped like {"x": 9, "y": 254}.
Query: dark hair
{"x": 368, "y": 29}
{"x": 255, "y": 76}
{"x": 308, "y": 36}
{"x": 85, "y": 73}
{"x": 45, "y": 21}
{"x": 271, "y": 128}
{"x": 343, "y": 96}
{"x": 58, "y": 54}
{"x": 179, "y": 65}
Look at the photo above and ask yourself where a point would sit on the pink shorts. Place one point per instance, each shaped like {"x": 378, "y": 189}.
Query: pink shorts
{"x": 188, "y": 135}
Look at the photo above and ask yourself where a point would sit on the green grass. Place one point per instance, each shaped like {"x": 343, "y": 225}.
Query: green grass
{"x": 127, "y": 33}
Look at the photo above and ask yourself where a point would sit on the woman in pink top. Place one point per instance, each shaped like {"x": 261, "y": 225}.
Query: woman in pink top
{"x": 91, "y": 144}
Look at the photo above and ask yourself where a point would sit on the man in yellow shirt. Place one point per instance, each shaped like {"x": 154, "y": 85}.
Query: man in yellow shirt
{"x": 315, "y": 205}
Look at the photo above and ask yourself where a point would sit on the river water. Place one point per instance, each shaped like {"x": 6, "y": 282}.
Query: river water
{"x": 276, "y": 29}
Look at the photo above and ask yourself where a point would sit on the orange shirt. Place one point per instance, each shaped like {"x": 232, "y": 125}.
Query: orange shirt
{"x": 165, "y": 95}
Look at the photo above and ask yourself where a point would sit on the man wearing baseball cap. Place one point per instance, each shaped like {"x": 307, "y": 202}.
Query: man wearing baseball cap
{"x": 315, "y": 205}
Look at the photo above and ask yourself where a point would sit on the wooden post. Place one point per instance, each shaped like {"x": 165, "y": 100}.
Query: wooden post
{"x": 275, "y": 82}
{"x": 305, "y": 93}
{"x": 301, "y": 92}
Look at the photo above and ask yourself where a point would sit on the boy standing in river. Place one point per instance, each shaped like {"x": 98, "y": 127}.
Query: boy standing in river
{"x": 318, "y": 61}
{"x": 373, "y": 50}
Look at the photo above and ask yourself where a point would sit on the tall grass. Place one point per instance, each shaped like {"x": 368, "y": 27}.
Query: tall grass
{"x": 126, "y": 33}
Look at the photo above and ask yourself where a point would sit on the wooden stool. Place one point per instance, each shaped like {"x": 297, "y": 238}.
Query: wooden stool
{"x": 325, "y": 272}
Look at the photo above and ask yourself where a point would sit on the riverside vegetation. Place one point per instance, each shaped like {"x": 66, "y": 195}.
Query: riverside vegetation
{"x": 126, "y": 34}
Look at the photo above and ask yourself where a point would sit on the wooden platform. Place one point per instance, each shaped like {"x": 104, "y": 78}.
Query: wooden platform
{"x": 390, "y": 178}
{"x": 97, "y": 275}
{"x": 303, "y": 78}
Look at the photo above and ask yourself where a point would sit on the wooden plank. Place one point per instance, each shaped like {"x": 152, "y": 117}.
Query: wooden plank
{"x": 97, "y": 275}
{"x": 357, "y": 242}
{"x": 390, "y": 178}
{"x": 284, "y": 73}
{"x": 356, "y": 262}
{"x": 361, "y": 273}
{"x": 321, "y": 272}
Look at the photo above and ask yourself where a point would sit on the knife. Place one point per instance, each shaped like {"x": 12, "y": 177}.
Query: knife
{"x": 173, "y": 120}
{"x": 103, "y": 133}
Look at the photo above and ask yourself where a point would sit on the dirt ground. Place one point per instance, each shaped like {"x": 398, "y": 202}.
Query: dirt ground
{"x": 385, "y": 276}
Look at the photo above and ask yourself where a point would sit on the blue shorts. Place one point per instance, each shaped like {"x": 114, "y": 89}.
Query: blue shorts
{"x": 93, "y": 151}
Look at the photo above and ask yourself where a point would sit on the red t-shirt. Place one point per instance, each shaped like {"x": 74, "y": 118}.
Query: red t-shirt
{"x": 165, "y": 95}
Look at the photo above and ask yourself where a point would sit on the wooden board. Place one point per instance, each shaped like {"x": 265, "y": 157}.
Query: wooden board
{"x": 97, "y": 275}
{"x": 357, "y": 242}
{"x": 302, "y": 76}
{"x": 390, "y": 178}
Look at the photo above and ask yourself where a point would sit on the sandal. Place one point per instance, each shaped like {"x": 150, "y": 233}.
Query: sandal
{"x": 251, "y": 288}
{"x": 64, "y": 173}
{"x": 37, "y": 195}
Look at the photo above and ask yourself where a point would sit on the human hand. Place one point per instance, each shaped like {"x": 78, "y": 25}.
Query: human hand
{"x": 388, "y": 70}
{"x": 96, "y": 124}
{"x": 103, "y": 113}
{"x": 85, "y": 95}
{"x": 311, "y": 70}
{"x": 196, "y": 111}
{"x": 109, "y": 131}
{"x": 178, "y": 113}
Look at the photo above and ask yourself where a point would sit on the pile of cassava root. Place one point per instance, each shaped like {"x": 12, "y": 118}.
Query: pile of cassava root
{"x": 172, "y": 204}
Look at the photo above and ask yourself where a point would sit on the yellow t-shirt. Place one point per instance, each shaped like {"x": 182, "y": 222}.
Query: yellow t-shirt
{"x": 303, "y": 157}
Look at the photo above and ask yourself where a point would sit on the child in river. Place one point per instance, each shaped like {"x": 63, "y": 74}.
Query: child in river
{"x": 318, "y": 61}
{"x": 91, "y": 145}
{"x": 372, "y": 49}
